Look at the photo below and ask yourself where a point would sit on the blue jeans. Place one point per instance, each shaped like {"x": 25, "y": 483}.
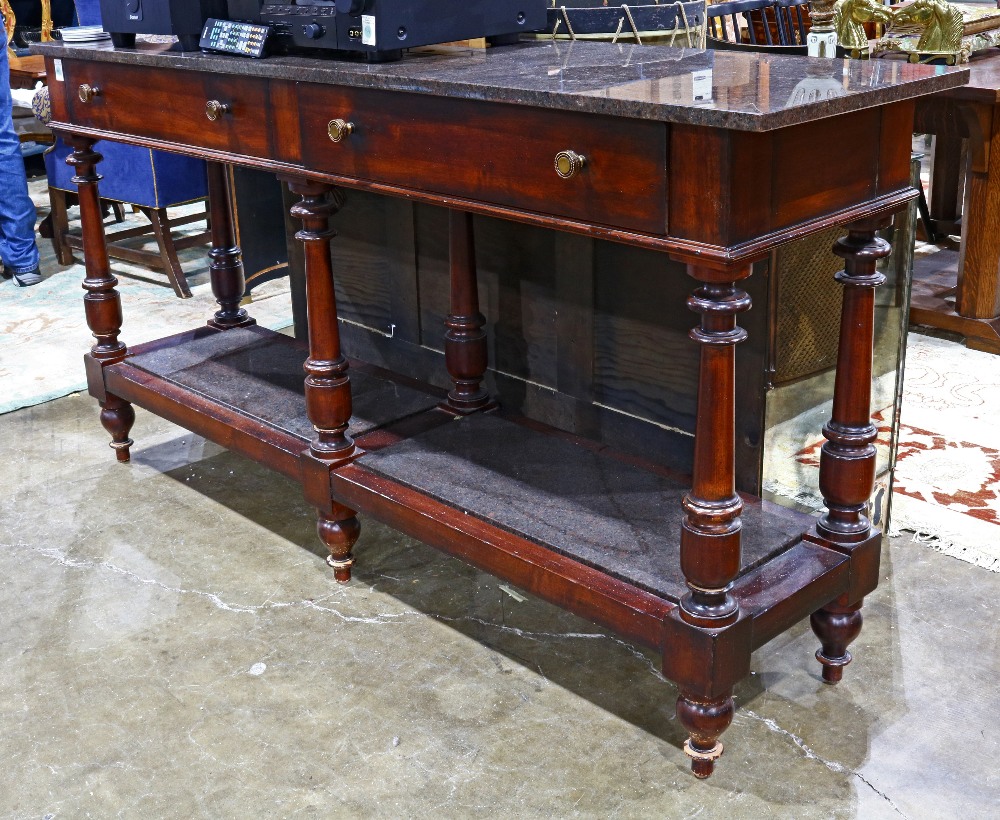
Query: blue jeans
{"x": 17, "y": 212}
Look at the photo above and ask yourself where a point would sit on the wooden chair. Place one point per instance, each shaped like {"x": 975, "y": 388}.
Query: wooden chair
{"x": 760, "y": 24}
{"x": 793, "y": 21}
{"x": 147, "y": 180}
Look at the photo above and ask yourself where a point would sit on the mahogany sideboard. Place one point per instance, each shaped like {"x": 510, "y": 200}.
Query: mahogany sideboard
{"x": 971, "y": 113}
{"x": 698, "y": 155}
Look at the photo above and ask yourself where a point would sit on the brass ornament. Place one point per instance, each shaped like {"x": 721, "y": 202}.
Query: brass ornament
{"x": 214, "y": 110}
{"x": 338, "y": 130}
{"x": 849, "y": 17}
{"x": 569, "y": 163}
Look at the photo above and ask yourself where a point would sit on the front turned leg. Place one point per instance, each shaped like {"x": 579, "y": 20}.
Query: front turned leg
{"x": 836, "y": 625}
{"x": 102, "y": 302}
{"x": 705, "y": 721}
{"x": 711, "y": 530}
{"x": 328, "y": 383}
{"x": 847, "y": 460}
{"x": 339, "y": 531}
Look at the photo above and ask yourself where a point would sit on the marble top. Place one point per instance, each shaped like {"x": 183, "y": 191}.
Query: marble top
{"x": 727, "y": 89}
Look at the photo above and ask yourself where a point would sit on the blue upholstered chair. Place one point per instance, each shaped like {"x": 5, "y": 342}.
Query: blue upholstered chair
{"x": 152, "y": 181}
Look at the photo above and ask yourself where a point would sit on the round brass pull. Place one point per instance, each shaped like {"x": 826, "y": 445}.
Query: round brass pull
{"x": 88, "y": 92}
{"x": 569, "y": 163}
{"x": 215, "y": 109}
{"x": 339, "y": 129}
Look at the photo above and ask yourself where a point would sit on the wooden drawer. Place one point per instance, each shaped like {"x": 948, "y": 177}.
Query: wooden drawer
{"x": 492, "y": 152}
{"x": 171, "y": 105}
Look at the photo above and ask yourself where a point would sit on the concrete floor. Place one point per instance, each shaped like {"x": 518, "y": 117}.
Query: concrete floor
{"x": 173, "y": 645}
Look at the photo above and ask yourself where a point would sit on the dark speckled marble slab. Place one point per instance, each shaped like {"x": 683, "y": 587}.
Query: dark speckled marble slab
{"x": 260, "y": 374}
{"x": 592, "y": 507}
{"x": 738, "y": 90}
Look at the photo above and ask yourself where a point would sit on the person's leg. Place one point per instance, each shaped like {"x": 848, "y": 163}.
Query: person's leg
{"x": 17, "y": 212}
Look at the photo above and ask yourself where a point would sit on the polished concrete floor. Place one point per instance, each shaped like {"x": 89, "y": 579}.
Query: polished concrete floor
{"x": 173, "y": 645}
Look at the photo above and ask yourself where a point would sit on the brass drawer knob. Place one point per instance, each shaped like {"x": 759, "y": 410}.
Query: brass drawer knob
{"x": 339, "y": 129}
{"x": 215, "y": 109}
{"x": 569, "y": 163}
{"x": 88, "y": 92}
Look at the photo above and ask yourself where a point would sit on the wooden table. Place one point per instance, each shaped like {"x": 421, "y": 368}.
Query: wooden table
{"x": 589, "y": 138}
{"x": 970, "y": 113}
{"x": 26, "y": 72}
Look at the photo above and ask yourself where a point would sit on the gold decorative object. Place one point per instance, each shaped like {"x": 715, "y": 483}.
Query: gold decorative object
{"x": 8, "y": 24}
{"x": 46, "y": 21}
{"x": 569, "y": 163}
{"x": 927, "y": 30}
{"x": 338, "y": 129}
{"x": 86, "y": 93}
{"x": 215, "y": 109}
{"x": 848, "y": 19}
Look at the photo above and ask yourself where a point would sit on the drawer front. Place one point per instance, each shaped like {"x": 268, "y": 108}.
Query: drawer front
{"x": 492, "y": 152}
{"x": 170, "y": 105}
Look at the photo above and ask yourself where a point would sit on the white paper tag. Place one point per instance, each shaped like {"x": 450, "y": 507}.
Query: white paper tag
{"x": 368, "y": 29}
{"x": 701, "y": 86}
{"x": 57, "y": 64}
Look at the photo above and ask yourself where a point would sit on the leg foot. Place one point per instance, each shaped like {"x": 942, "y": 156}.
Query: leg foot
{"x": 705, "y": 721}
{"x": 836, "y": 625}
{"x": 117, "y": 417}
{"x": 339, "y": 532}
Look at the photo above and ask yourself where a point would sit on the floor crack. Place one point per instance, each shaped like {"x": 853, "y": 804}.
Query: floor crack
{"x": 833, "y": 766}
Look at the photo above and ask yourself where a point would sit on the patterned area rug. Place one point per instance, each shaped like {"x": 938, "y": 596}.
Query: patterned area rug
{"x": 947, "y": 482}
{"x": 44, "y": 334}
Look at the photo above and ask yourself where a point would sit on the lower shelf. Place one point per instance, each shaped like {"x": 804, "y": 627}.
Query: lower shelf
{"x": 570, "y": 519}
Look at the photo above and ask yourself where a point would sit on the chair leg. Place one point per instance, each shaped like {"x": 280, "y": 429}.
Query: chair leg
{"x": 60, "y": 226}
{"x": 161, "y": 229}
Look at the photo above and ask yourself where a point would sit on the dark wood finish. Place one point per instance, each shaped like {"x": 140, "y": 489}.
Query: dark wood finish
{"x": 743, "y": 572}
{"x": 125, "y": 102}
{"x": 102, "y": 302}
{"x": 465, "y": 340}
{"x": 420, "y": 141}
{"x": 226, "y": 271}
{"x": 710, "y": 535}
{"x": 836, "y": 625}
{"x": 969, "y": 116}
{"x": 327, "y": 384}
{"x": 847, "y": 460}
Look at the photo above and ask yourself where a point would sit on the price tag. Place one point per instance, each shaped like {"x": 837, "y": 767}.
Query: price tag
{"x": 368, "y": 29}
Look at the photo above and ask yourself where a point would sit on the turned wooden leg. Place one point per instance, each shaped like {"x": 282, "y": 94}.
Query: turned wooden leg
{"x": 226, "y": 272}
{"x": 328, "y": 385}
{"x": 705, "y": 721}
{"x": 710, "y": 532}
{"x": 847, "y": 460}
{"x": 102, "y": 302}
{"x": 836, "y": 625}
{"x": 339, "y": 531}
{"x": 117, "y": 417}
{"x": 465, "y": 352}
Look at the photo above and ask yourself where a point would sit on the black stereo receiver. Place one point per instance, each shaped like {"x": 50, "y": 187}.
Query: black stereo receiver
{"x": 184, "y": 19}
{"x": 381, "y": 29}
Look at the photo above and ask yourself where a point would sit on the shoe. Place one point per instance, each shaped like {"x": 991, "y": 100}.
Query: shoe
{"x": 28, "y": 278}
{"x": 6, "y": 274}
